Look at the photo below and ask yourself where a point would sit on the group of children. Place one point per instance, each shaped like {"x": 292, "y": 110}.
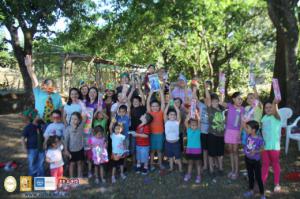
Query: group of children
{"x": 161, "y": 125}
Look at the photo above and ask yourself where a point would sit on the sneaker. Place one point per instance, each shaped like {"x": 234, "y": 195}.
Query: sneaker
{"x": 123, "y": 176}
{"x": 103, "y": 180}
{"x": 138, "y": 170}
{"x": 263, "y": 197}
{"x": 97, "y": 181}
{"x": 198, "y": 180}
{"x": 277, "y": 189}
{"x": 90, "y": 175}
{"x": 144, "y": 171}
{"x": 248, "y": 194}
{"x": 187, "y": 177}
{"x": 113, "y": 179}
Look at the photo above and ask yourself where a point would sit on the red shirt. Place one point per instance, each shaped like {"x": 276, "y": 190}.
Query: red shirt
{"x": 143, "y": 129}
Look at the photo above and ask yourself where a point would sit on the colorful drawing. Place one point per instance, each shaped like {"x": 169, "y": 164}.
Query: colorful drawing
{"x": 89, "y": 120}
{"x": 154, "y": 82}
{"x": 193, "y": 108}
{"x": 100, "y": 101}
{"x": 222, "y": 80}
{"x": 276, "y": 89}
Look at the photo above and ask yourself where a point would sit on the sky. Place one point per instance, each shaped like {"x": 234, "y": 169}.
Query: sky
{"x": 62, "y": 23}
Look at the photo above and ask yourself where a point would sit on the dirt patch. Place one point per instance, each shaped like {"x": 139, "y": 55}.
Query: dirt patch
{"x": 151, "y": 186}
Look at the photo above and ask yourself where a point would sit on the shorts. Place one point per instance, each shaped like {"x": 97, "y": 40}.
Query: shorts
{"x": 215, "y": 145}
{"x": 142, "y": 153}
{"x": 77, "y": 156}
{"x": 117, "y": 163}
{"x": 157, "y": 141}
{"x": 204, "y": 142}
{"x": 88, "y": 154}
{"x": 232, "y": 136}
{"x": 193, "y": 156}
{"x": 173, "y": 149}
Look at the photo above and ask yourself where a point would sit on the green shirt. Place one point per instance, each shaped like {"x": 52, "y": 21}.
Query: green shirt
{"x": 271, "y": 130}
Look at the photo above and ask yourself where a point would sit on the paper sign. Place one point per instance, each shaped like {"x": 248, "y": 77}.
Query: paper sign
{"x": 165, "y": 77}
{"x": 222, "y": 80}
{"x": 252, "y": 79}
{"x": 248, "y": 115}
{"x": 154, "y": 82}
{"x": 100, "y": 101}
{"x": 193, "y": 108}
{"x": 89, "y": 120}
{"x": 276, "y": 89}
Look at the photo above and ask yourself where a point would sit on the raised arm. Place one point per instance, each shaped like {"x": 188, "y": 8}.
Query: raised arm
{"x": 255, "y": 92}
{"x": 222, "y": 103}
{"x": 111, "y": 125}
{"x": 162, "y": 99}
{"x": 166, "y": 112}
{"x": 207, "y": 96}
{"x": 186, "y": 122}
{"x": 177, "y": 113}
{"x": 148, "y": 102}
{"x": 141, "y": 94}
{"x": 28, "y": 63}
{"x": 275, "y": 108}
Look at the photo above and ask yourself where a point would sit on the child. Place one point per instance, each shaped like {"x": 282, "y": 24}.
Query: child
{"x": 193, "y": 149}
{"x": 123, "y": 117}
{"x": 99, "y": 149}
{"x": 252, "y": 112}
{"x": 56, "y": 127}
{"x": 156, "y": 127}
{"x": 271, "y": 131}
{"x": 118, "y": 150}
{"x": 232, "y": 135}
{"x": 143, "y": 143}
{"x": 101, "y": 119}
{"x": 215, "y": 137}
{"x": 74, "y": 140}
{"x": 137, "y": 109}
{"x": 252, "y": 157}
{"x": 54, "y": 157}
{"x": 32, "y": 141}
{"x": 172, "y": 144}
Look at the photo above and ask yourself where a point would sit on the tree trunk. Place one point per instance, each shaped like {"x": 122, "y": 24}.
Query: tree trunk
{"x": 282, "y": 14}
{"x": 20, "y": 54}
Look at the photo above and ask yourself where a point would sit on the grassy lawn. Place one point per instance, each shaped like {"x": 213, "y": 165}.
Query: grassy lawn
{"x": 154, "y": 185}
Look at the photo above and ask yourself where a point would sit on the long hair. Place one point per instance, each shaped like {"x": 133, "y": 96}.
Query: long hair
{"x": 69, "y": 102}
{"x": 88, "y": 97}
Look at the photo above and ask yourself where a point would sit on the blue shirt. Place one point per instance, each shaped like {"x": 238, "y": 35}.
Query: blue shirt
{"x": 30, "y": 132}
{"x": 193, "y": 141}
{"x": 40, "y": 97}
{"x": 118, "y": 146}
{"x": 203, "y": 118}
{"x": 70, "y": 109}
{"x": 125, "y": 120}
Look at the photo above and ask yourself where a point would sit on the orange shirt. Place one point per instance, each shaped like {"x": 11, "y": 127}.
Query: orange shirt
{"x": 157, "y": 124}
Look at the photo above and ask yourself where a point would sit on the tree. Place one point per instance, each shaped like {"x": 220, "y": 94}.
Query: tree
{"x": 33, "y": 18}
{"x": 284, "y": 14}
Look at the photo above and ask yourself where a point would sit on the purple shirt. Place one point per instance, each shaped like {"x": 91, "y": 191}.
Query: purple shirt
{"x": 179, "y": 92}
{"x": 93, "y": 105}
{"x": 234, "y": 116}
{"x": 253, "y": 144}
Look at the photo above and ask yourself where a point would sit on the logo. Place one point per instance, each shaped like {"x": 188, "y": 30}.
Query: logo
{"x": 69, "y": 181}
{"x": 44, "y": 184}
{"x": 10, "y": 184}
{"x": 25, "y": 183}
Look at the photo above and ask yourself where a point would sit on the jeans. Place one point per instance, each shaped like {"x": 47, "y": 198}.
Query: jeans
{"x": 36, "y": 160}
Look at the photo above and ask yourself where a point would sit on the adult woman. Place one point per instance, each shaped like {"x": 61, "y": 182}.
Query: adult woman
{"x": 73, "y": 105}
{"x": 46, "y": 98}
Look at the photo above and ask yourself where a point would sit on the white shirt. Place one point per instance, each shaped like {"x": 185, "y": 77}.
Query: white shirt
{"x": 172, "y": 130}
{"x": 69, "y": 109}
{"x": 55, "y": 157}
{"x": 54, "y": 129}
